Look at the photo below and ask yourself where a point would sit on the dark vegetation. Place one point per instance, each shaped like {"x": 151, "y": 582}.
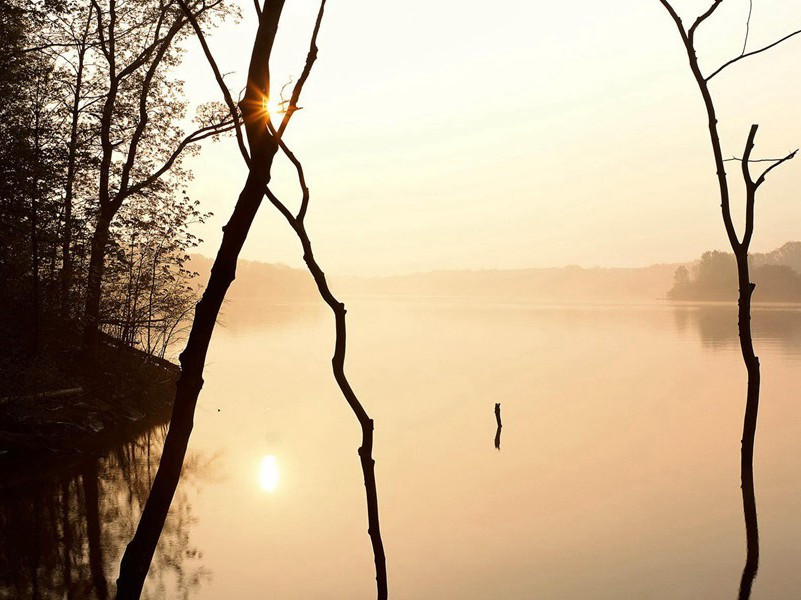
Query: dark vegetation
{"x": 60, "y": 402}
{"x": 94, "y": 218}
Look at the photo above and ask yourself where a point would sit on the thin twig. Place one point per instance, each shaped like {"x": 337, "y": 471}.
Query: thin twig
{"x": 310, "y": 58}
{"x": 774, "y": 165}
{"x": 747, "y": 25}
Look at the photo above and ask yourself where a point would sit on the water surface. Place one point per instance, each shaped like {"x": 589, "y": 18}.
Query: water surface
{"x": 617, "y": 476}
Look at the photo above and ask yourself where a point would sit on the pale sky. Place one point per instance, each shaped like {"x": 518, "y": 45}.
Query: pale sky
{"x": 448, "y": 134}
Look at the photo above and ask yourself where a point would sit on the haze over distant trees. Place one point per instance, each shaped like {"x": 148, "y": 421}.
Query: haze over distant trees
{"x": 777, "y": 275}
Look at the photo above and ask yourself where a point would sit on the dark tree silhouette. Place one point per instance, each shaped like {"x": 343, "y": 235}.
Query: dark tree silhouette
{"x": 297, "y": 222}
{"x": 263, "y": 144}
{"x": 740, "y": 246}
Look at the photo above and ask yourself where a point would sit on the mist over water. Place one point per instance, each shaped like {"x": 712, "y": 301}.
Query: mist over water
{"x": 618, "y": 474}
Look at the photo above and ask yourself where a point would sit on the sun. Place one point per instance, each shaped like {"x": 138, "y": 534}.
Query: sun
{"x": 268, "y": 473}
{"x": 276, "y": 109}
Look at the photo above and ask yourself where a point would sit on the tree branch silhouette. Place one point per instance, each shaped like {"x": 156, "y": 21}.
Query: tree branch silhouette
{"x": 752, "y": 53}
{"x": 229, "y": 101}
{"x": 338, "y": 365}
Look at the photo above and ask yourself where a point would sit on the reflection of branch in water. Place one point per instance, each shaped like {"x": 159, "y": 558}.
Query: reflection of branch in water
{"x": 500, "y": 425}
{"x": 751, "y": 531}
{"x": 63, "y": 525}
{"x": 716, "y": 325}
{"x": 92, "y": 516}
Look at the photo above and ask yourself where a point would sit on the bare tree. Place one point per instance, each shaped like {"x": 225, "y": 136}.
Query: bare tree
{"x": 740, "y": 247}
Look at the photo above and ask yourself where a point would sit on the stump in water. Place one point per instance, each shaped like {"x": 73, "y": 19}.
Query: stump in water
{"x": 498, "y": 431}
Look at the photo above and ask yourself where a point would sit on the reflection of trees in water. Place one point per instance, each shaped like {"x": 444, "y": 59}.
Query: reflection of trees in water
{"x": 717, "y": 325}
{"x": 61, "y": 536}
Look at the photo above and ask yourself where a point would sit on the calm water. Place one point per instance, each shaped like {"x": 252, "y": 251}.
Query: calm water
{"x": 617, "y": 477}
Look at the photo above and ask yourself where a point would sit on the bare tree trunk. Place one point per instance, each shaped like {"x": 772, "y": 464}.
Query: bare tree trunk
{"x": 749, "y": 358}
{"x": 749, "y": 428}
{"x": 139, "y": 553}
{"x": 66, "y": 242}
{"x": 338, "y": 361}
{"x": 95, "y": 279}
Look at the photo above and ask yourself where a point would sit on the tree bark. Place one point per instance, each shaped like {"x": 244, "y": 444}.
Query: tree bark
{"x": 66, "y": 242}
{"x": 749, "y": 428}
{"x": 139, "y": 553}
{"x": 749, "y": 358}
{"x": 740, "y": 248}
{"x": 95, "y": 279}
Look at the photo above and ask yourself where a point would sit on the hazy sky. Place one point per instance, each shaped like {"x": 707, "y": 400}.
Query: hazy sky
{"x": 518, "y": 134}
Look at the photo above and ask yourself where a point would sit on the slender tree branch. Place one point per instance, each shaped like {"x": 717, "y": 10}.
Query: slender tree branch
{"x": 310, "y": 58}
{"x": 338, "y": 365}
{"x": 103, "y": 45}
{"x": 195, "y": 136}
{"x": 750, "y": 188}
{"x": 751, "y": 160}
{"x": 144, "y": 92}
{"x": 761, "y": 178}
{"x": 712, "y": 124}
{"x": 229, "y": 101}
{"x": 747, "y": 25}
{"x": 293, "y": 222}
{"x": 304, "y": 202}
{"x": 752, "y": 53}
{"x": 703, "y": 17}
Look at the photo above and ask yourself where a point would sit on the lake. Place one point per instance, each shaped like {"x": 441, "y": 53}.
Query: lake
{"x": 617, "y": 474}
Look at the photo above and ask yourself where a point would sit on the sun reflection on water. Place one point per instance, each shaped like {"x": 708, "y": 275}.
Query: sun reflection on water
{"x": 268, "y": 473}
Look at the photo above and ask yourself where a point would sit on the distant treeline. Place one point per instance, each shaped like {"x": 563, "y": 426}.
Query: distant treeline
{"x": 573, "y": 284}
{"x": 94, "y": 218}
{"x": 777, "y": 276}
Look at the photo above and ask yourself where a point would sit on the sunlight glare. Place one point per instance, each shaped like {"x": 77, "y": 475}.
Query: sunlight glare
{"x": 268, "y": 474}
